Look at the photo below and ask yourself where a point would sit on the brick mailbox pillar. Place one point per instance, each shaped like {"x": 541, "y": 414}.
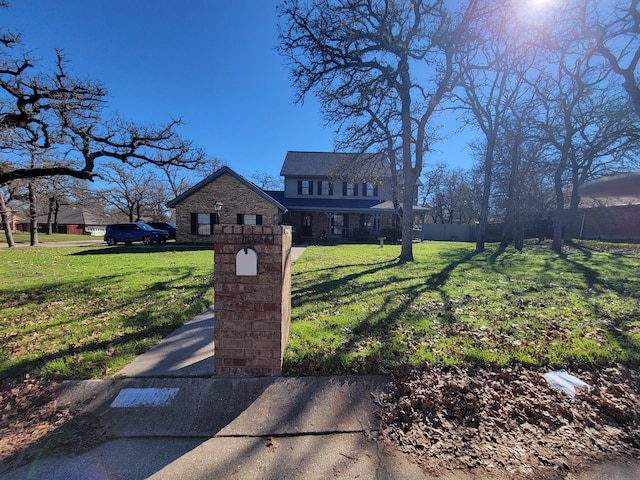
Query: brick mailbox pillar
{"x": 252, "y": 300}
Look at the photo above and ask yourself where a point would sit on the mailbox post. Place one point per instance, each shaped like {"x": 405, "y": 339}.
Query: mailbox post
{"x": 252, "y": 303}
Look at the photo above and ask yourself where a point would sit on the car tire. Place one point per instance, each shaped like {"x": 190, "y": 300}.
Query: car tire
{"x": 147, "y": 240}
{"x": 111, "y": 241}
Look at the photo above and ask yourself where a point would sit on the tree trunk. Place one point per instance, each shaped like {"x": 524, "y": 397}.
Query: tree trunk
{"x": 33, "y": 217}
{"x": 52, "y": 203}
{"x": 486, "y": 194}
{"x": 559, "y": 217}
{"x": 406, "y": 252}
{"x": 5, "y": 222}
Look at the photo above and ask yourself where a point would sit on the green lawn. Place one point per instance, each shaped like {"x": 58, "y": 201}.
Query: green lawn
{"x": 25, "y": 238}
{"x": 85, "y": 312}
{"x": 355, "y": 310}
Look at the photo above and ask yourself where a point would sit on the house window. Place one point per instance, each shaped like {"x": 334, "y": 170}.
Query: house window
{"x": 349, "y": 189}
{"x": 369, "y": 189}
{"x": 337, "y": 224}
{"x": 325, "y": 188}
{"x": 201, "y": 223}
{"x": 369, "y": 221}
{"x": 305, "y": 187}
{"x": 249, "y": 219}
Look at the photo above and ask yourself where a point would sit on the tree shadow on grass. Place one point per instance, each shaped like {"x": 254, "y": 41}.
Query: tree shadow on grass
{"x": 144, "y": 318}
{"x": 166, "y": 247}
{"x": 619, "y": 325}
{"x": 373, "y": 327}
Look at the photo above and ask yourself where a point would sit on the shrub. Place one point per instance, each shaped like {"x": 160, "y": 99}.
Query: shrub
{"x": 392, "y": 234}
{"x": 360, "y": 234}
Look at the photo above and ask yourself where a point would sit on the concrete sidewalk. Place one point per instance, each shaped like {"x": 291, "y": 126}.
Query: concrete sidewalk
{"x": 195, "y": 428}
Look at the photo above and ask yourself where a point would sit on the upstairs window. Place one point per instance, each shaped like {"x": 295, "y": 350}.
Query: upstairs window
{"x": 325, "y": 188}
{"x": 349, "y": 189}
{"x": 305, "y": 187}
{"x": 369, "y": 189}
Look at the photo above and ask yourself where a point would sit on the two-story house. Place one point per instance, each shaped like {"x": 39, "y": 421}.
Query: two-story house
{"x": 326, "y": 195}
{"x": 331, "y": 194}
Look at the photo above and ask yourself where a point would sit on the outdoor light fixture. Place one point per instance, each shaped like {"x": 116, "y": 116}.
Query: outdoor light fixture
{"x": 217, "y": 206}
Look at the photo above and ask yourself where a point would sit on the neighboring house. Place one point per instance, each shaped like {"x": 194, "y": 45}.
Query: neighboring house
{"x": 242, "y": 203}
{"x": 610, "y": 208}
{"x": 608, "y": 218}
{"x": 327, "y": 195}
{"x": 72, "y": 220}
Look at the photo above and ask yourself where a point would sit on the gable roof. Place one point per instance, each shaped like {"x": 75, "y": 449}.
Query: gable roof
{"x": 354, "y": 166}
{"x": 221, "y": 171}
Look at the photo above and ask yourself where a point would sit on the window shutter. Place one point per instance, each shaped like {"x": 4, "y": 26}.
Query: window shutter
{"x": 364, "y": 190}
{"x": 355, "y": 189}
{"x": 344, "y": 189}
{"x": 330, "y": 188}
{"x": 240, "y": 219}
{"x": 213, "y": 219}
{"x": 194, "y": 224}
{"x": 310, "y": 187}
{"x": 319, "y": 186}
{"x": 299, "y": 187}
{"x": 375, "y": 191}
{"x": 258, "y": 219}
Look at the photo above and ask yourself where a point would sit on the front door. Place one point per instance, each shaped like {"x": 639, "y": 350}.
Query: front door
{"x": 307, "y": 230}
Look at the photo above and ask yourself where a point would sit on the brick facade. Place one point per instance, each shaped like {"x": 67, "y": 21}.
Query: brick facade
{"x": 252, "y": 313}
{"x": 236, "y": 199}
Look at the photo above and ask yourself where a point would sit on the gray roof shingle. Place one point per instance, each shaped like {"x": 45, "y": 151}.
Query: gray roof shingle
{"x": 346, "y": 166}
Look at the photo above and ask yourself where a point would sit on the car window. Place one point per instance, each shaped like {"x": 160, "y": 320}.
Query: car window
{"x": 144, "y": 226}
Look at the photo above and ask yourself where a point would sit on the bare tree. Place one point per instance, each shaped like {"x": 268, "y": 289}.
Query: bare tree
{"x": 491, "y": 85}
{"x": 127, "y": 190}
{"x": 448, "y": 194}
{"x": 180, "y": 179}
{"x": 63, "y": 116}
{"x": 615, "y": 28}
{"x": 380, "y": 68}
{"x": 265, "y": 180}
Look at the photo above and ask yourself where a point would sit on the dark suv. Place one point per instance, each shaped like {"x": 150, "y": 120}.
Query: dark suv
{"x": 134, "y": 232}
{"x": 168, "y": 226}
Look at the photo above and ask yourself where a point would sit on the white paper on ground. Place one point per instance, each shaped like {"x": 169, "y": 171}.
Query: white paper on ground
{"x": 566, "y": 382}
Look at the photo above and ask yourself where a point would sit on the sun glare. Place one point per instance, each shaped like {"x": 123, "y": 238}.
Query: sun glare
{"x": 541, "y": 3}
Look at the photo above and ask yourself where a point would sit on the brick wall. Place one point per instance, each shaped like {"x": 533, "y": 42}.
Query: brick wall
{"x": 235, "y": 197}
{"x": 252, "y": 313}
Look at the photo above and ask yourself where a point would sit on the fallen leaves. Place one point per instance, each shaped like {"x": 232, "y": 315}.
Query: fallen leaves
{"x": 272, "y": 444}
{"x": 510, "y": 420}
{"x": 31, "y": 419}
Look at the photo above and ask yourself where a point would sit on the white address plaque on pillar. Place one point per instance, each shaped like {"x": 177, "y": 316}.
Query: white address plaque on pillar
{"x": 247, "y": 262}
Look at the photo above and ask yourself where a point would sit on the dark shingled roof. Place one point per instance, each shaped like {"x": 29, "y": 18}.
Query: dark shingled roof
{"x": 338, "y": 205}
{"x": 356, "y": 166}
{"x": 77, "y": 216}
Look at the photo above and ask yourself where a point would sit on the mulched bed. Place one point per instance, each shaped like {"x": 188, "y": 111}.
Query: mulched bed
{"x": 509, "y": 421}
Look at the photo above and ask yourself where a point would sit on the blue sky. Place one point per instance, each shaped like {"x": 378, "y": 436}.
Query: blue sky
{"x": 210, "y": 62}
